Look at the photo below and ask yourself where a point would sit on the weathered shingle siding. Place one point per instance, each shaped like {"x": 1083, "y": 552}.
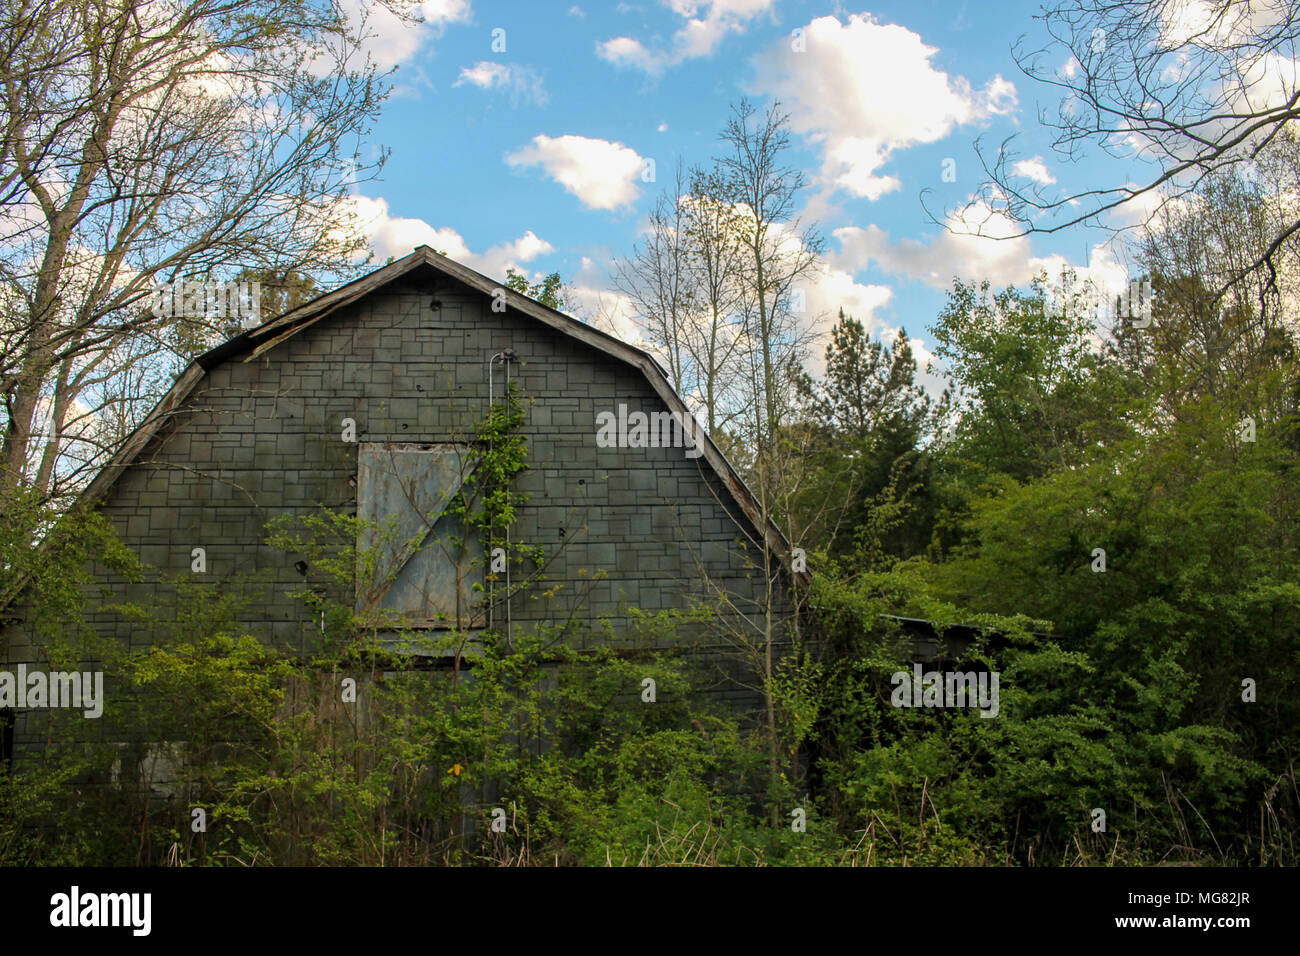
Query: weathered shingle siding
{"x": 263, "y": 437}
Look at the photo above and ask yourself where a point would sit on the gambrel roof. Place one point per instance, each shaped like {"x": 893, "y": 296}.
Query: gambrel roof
{"x": 255, "y": 342}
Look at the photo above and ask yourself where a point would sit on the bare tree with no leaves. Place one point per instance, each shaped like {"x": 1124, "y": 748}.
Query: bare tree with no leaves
{"x": 683, "y": 279}
{"x": 1189, "y": 89}
{"x": 144, "y": 143}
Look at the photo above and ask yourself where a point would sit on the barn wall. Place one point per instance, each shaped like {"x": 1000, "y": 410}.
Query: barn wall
{"x": 263, "y": 437}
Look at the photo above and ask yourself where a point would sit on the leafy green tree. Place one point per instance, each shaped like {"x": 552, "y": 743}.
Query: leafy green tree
{"x": 867, "y": 383}
{"x": 868, "y": 420}
{"x": 1034, "y": 390}
{"x": 550, "y": 292}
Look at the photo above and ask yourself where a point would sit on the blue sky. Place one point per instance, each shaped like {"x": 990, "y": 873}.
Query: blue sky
{"x": 519, "y": 131}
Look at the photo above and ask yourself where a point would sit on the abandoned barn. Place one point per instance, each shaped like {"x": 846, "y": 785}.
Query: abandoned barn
{"x": 367, "y": 401}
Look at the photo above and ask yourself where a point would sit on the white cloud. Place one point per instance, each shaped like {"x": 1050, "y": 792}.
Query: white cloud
{"x": 1144, "y": 208}
{"x": 603, "y": 175}
{"x": 998, "y": 98}
{"x": 1225, "y": 62}
{"x": 523, "y": 82}
{"x": 1201, "y": 23}
{"x": 391, "y": 235}
{"x": 998, "y": 256}
{"x": 1035, "y": 169}
{"x": 485, "y": 74}
{"x": 624, "y": 51}
{"x": 708, "y": 23}
{"x": 829, "y": 289}
{"x": 835, "y": 94}
{"x": 832, "y": 289}
{"x": 824, "y": 292}
{"x": 1003, "y": 261}
{"x": 391, "y": 40}
{"x": 605, "y": 308}
{"x": 440, "y": 12}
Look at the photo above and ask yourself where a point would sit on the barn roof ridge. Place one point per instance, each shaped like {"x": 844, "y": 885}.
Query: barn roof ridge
{"x": 261, "y": 339}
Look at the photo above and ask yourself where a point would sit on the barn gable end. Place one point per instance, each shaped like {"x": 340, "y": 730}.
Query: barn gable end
{"x": 253, "y": 430}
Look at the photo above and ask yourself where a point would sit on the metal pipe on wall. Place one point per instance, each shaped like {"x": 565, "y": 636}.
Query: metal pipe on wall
{"x": 505, "y": 356}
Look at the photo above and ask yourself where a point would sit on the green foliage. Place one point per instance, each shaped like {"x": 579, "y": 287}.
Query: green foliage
{"x": 1121, "y": 690}
{"x": 359, "y": 752}
{"x": 550, "y": 292}
{"x": 871, "y": 495}
{"x": 1034, "y": 392}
